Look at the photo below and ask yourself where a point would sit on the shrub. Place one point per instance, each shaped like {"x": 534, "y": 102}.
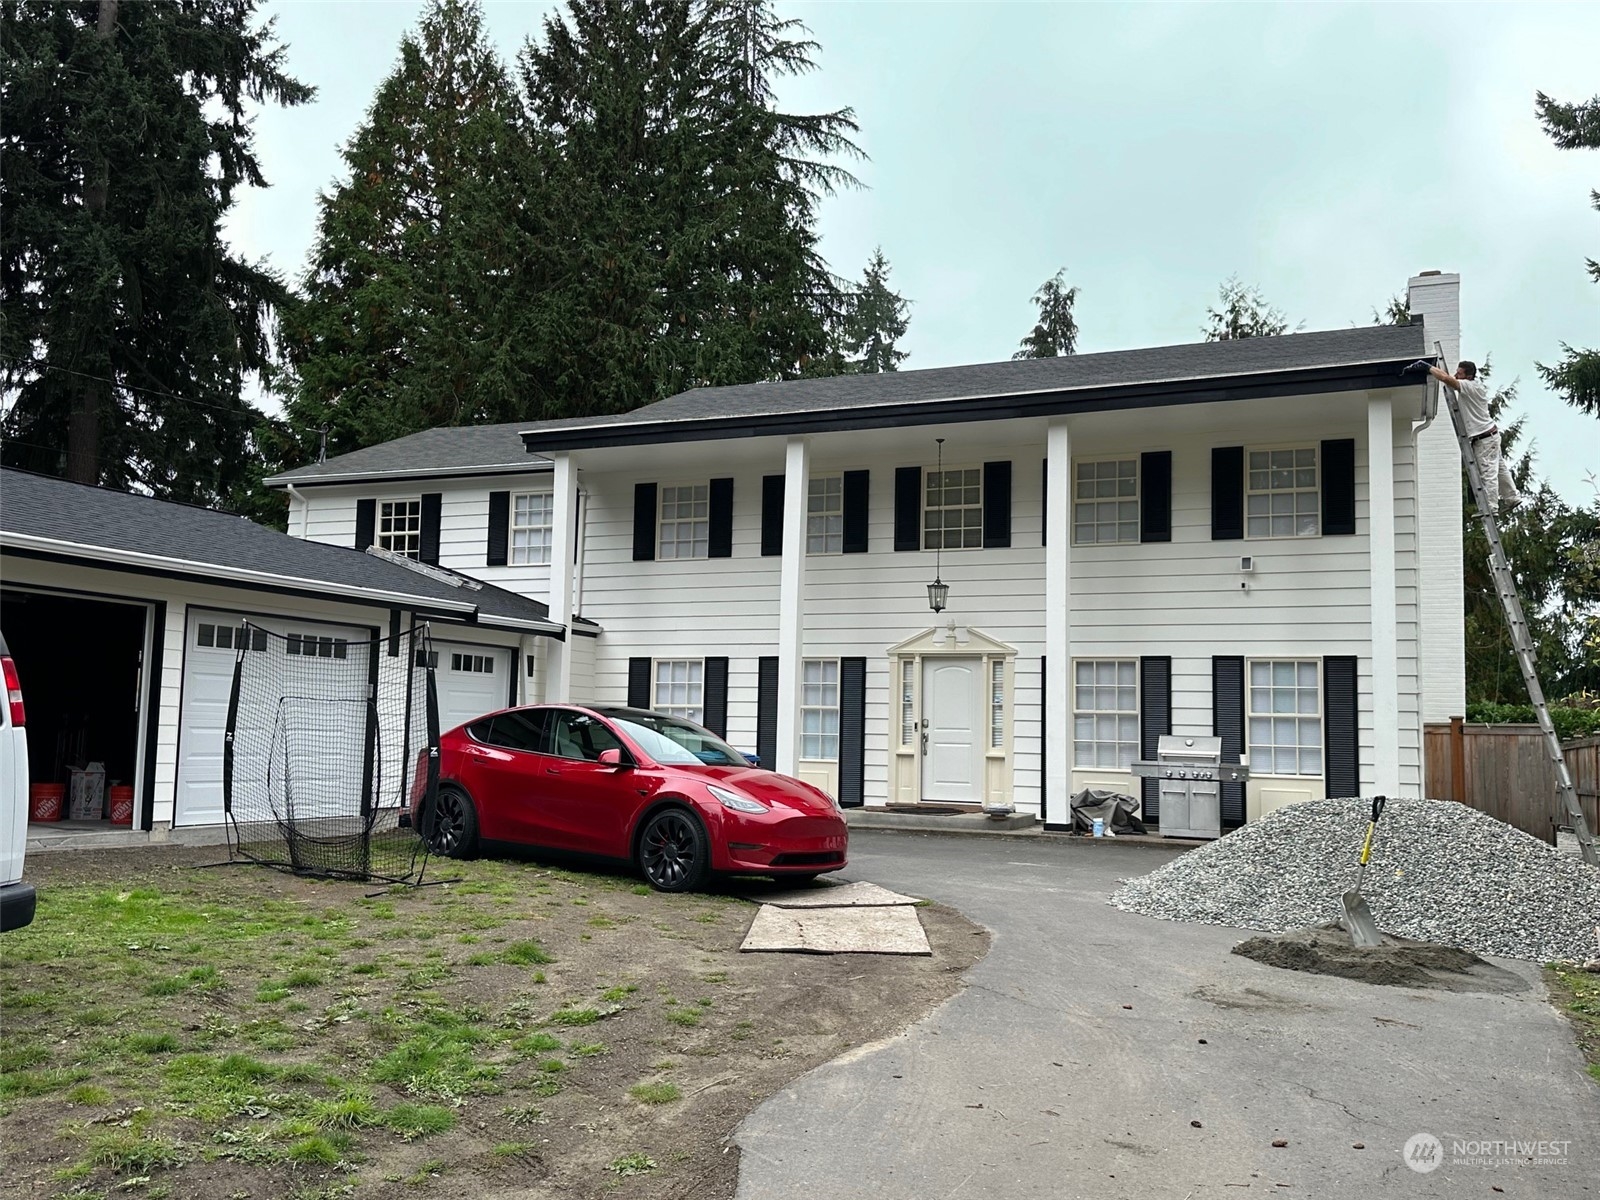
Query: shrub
{"x": 1570, "y": 722}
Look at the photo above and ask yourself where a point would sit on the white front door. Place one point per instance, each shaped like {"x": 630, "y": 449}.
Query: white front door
{"x": 470, "y": 681}
{"x": 952, "y": 759}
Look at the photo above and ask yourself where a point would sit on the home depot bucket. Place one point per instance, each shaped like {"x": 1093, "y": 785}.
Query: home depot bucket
{"x": 45, "y": 801}
{"x": 121, "y": 800}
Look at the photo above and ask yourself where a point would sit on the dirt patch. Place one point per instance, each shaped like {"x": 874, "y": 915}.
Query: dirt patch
{"x": 1400, "y": 962}
{"x": 526, "y": 1031}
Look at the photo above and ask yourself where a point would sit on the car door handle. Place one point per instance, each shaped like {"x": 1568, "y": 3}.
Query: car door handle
{"x": 552, "y": 770}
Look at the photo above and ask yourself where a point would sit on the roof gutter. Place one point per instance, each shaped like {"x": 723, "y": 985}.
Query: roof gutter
{"x": 402, "y": 474}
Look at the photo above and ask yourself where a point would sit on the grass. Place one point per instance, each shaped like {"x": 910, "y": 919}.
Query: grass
{"x": 683, "y": 1016}
{"x": 538, "y": 1043}
{"x": 575, "y": 1016}
{"x": 631, "y": 1164}
{"x": 526, "y": 954}
{"x": 414, "y": 1121}
{"x": 1577, "y": 993}
{"x": 353, "y": 1110}
{"x": 658, "y": 1092}
{"x": 132, "y": 1153}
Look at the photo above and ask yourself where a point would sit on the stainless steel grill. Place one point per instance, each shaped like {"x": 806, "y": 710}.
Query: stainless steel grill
{"x": 1190, "y": 772}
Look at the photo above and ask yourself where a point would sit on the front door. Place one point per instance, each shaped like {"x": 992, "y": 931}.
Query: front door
{"x": 952, "y": 754}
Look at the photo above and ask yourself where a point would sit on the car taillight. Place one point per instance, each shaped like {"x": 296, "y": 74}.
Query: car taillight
{"x": 19, "y": 715}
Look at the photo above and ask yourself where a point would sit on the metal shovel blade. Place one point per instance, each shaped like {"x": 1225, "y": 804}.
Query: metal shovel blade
{"x": 1359, "y": 923}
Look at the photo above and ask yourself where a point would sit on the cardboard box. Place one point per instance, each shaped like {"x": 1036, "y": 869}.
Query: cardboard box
{"x": 86, "y": 792}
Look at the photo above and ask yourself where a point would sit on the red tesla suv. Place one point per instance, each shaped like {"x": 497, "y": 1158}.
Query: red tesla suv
{"x": 631, "y": 786}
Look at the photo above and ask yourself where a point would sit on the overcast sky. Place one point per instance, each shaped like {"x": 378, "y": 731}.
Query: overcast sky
{"x": 1322, "y": 152}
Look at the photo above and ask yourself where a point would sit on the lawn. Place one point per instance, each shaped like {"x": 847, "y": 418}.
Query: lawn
{"x": 174, "y": 1031}
{"x": 1577, "y": 993}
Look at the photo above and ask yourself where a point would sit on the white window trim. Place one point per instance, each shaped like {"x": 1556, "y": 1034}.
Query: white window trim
{"x": 811, "y": 551}
{"x": 1322, "y": 720}
{"x": 689, "y": 712}
{"x": 1316, "y": 489}
{"x": 380, "y": 535}
{"x": 515, "y": 528}
{"x": 1137, "y": 497}
{"x": 662, "y": 522}
{"x": 1137, "y": 712}
{"x": 834, "y": 708}
{"x": 923, "y": 528}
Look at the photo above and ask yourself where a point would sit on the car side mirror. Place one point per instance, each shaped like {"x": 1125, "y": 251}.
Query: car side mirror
{"x": 613, "y": 758}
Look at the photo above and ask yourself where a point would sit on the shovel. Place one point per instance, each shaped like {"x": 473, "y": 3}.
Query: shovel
{"x": 1358, "y": 918}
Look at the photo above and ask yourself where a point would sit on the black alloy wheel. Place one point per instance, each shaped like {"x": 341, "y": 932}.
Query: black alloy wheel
{"x": 674, "y": 853}
{"x": 455, "y": 825}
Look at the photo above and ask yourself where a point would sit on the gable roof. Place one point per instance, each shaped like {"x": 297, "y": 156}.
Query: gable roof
{"x": 52, "y": 518}
{"x": 433, "y": 453}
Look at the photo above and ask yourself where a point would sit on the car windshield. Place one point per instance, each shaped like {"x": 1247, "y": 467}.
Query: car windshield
{"x": 676, "y": 743}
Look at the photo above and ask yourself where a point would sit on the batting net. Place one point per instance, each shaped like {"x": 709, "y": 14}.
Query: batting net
{"x": 329, "y": 740}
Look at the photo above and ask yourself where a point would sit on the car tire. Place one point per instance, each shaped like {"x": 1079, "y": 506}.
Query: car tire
{"x": 455, "y": 825}
{"x": 674, "y": 851}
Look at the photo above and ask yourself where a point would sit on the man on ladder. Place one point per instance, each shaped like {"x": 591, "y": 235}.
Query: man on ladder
{"x": 1482, "y": 432}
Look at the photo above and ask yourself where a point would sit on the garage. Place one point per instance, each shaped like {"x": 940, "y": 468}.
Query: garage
{"x": 471, "y": 680}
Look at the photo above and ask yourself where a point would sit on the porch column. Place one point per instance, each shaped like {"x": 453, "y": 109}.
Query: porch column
{"x": 791, "y": 589}
{"x": 1381, "y": 549}
{"x": 558, "y": 670}
{"x": 1057, "y": 733}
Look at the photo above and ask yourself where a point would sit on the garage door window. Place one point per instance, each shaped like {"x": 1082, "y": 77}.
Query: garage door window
{"x": 308, "y": 645}
{"x": 230, "y": 637}
{"x": 400, "y": 527}
{"x": 472, "y": 664}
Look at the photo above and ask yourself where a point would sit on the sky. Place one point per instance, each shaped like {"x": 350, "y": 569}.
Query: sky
{"x": 1322, "y": 152}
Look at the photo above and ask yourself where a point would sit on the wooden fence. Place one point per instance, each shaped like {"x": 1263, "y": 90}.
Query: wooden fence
{"x": 1503, "y": 770}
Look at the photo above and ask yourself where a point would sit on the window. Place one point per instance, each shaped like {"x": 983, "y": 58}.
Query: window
{"x": 1281, "y": 496}
{"x": 685, "y": 521}
{"x": 997, "y": 704}
{"x": 530, "y": 527}
{"x": 1105, "y": 714}
{"x": 309, "y": 645}
{"x": 472, "y": 664}
{"x": 1285, "y": 719}
{"x": 230, "y": 637}
{"x": 680, "y": 689}
{"x": 953, "y": 509}
{"x": 1106, "y": 502}
{"x": 519, "y": 729}
{"x": 578, "y": 735}
{"x": 825, "y": 515}
{"x": 400, "y": 527}
{"x": 908, "y": 703}
{"x": 819, "y": 709}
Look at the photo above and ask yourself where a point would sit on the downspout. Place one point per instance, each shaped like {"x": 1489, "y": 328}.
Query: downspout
{"x": 1430, "y": 401}
{"x": 578, "y": 555}
{"x": 305, "y": 508}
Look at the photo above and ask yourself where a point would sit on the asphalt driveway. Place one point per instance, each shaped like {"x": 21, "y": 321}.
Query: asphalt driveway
{"x": 1100, "y": 1054}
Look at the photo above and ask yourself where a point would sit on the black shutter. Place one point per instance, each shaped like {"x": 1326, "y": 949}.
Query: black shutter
{"x": 1044, "y": 741}
{"x": 1227, "y": 493}
{"x": 1227, "y": 723}
{"x": 1044, "y": 505}
{"x": 1155, "y": 496}
{"x": 1342, "y": 769}
{"x": 771, "y": 515}
{"x": 499, "y": 529}
{"x": 428, "y": 544}
{"x": 366, "y": 523}
{"x": 716, "y": 696}
{"x": 638, "y": 683}
{"x": 907, "y": 508}
{"x": 767, "y": 712}
{"x": 996, "y": 505}
{"x": 857, "y": 486}
{"x": 852, "y": 732}
{"x": 1339, "y": 486}
{"x": 719, "y": 531}
{"x": 644, "y": 522}
{"x": 1155, "y": 719}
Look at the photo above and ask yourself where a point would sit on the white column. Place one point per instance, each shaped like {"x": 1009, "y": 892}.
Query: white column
{"x": 791, "y": 589}
{"x": 558, "y": 670}
{"x": 1381, "y": 552}
{"x": 1057, "y": 782}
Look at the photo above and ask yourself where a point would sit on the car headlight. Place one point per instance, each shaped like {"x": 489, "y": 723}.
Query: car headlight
{"x": 735, "y": 801}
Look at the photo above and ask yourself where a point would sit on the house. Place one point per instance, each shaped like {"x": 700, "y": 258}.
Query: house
{"x": 1256, "y": 539}
{"x": 123, "y": 614}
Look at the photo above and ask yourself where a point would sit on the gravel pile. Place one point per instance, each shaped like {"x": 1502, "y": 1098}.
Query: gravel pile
{"x": 1440, "y": 872}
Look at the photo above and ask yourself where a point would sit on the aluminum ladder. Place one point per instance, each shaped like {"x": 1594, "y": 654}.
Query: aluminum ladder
{"x": 1506, "y": 585}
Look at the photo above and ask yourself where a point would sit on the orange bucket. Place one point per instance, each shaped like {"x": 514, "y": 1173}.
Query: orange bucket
{"x": 45, "y": 801}
{"x": 121, "y": 799}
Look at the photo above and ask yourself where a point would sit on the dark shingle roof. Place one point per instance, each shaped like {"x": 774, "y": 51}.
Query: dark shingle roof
{"x": 229, "y": 549}
{"x": 449, "y": 450}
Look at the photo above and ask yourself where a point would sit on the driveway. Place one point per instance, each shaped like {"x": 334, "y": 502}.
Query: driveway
{"x": 1090, "y": 1042}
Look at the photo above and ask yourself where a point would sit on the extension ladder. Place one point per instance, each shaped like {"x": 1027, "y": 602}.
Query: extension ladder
{"x": 1506, "y": 585}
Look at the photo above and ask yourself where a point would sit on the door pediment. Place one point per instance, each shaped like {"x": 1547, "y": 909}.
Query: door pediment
{"x": 952, "y": 639}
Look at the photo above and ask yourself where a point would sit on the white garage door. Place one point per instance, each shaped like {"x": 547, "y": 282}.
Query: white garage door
{"x": 470, "y": 681}
{"x": 208, "y": 680}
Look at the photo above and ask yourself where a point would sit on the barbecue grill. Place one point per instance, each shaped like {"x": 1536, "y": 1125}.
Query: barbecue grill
{"x": 1190, "y": 772}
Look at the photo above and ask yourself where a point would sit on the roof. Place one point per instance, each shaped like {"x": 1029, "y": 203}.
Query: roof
{"x": 1345, "y": 359}
{"x": 49, "y": 517}
{"x": 448, "y": 450}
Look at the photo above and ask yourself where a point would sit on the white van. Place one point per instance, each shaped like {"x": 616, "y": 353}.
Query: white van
{"x": 16, "y": 897}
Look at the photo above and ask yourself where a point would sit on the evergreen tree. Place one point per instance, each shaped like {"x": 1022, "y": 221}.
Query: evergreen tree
{"x": 876, "y": 321}
{"x": 1397, "y": 311}
{"x": 1575, "y": 127}
{"x": 418, "y": 295}
{"x": 1242, "y": 312}
{"x": 1056, "y": 332}
{"x": 129, "y": 327}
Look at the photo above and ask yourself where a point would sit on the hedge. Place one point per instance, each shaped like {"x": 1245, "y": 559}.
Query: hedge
{"x": 1570, "y": 722}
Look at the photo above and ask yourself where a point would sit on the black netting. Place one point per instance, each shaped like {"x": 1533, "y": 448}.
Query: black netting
{"x": 329, "y": 741}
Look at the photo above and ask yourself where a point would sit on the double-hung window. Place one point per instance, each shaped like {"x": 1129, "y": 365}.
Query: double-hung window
{"x": 825, "y": 515}
{"x": 400, "y": 527}
{"x": 1105, "y": 502}
{"x": 530, "y": 527}
{"x": 680, "y": 688}
{"x": 685, "y": 521}
{"x": 1282, "y": 498}
{"x": 1285, "y": 718}
{"x": 819, "y": 709}
{"x": 1105, "y": 713}
{"x": 952, "y": 512}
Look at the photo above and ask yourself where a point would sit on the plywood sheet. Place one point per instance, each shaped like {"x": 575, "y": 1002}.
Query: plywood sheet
{"x": 875, "y": 929}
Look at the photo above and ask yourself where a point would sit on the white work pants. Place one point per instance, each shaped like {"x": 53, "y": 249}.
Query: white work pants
{"x": 1498, "y": 487}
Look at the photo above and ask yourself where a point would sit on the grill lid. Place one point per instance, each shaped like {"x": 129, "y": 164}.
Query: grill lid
{"x": 1175, "y": 747}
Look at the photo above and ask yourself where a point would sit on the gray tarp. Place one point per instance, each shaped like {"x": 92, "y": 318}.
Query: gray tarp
{"x": 1119, "y": 812}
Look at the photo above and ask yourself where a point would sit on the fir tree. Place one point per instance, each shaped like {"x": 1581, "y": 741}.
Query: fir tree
{"x": 876, "y": 321}
{"x": 1056, "y": 332}
{"x": 129, "y": 326}
{"x": 1242, "y": 312}
{"x": 1575, "y": 127}
{"x": 1396, "y": 311}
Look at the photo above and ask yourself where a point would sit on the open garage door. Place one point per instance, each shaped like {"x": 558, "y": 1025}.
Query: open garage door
{"x": 471, "y": 680}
